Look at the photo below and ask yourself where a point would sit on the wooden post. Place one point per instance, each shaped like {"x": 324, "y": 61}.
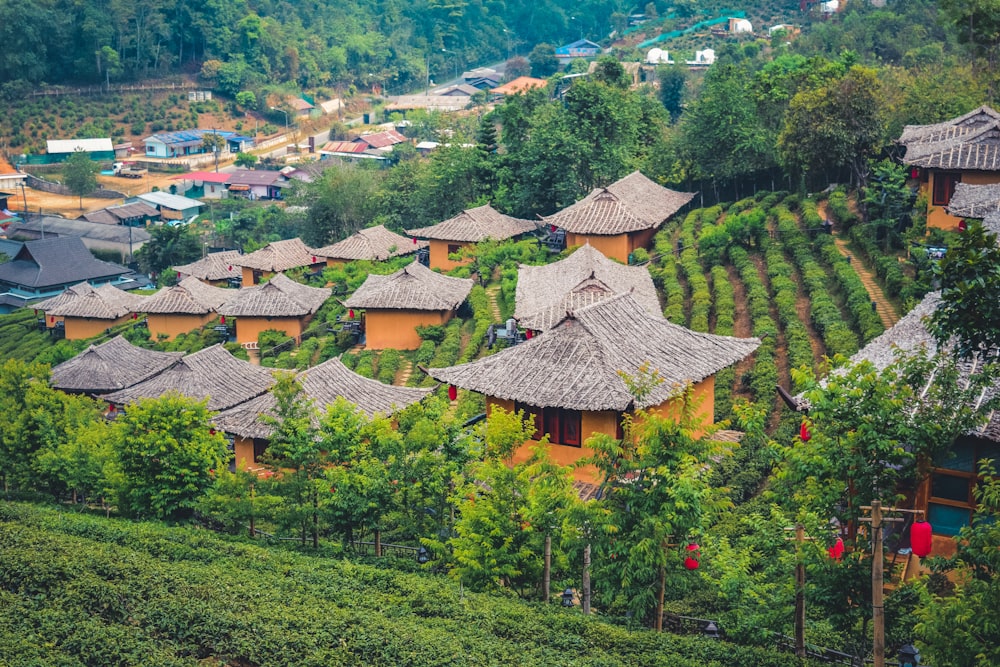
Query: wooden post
{"x": 659, "y": 599}
{"x": 800, "y": 593}
{"x": 253, "y": 530}
{"x": 878, "y": 610}
{"x": 586, "y": 579}
{"x": 547, "y": 571}
{"x": 378, "y": 543}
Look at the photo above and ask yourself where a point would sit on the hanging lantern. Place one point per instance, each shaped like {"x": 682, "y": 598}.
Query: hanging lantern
{"x": 414, "y": 241}
{"x": 350, "y": 314}
{"x": 314, "y": 259}
{"x": 110, "y": 412}
{"x": 230, "y": 267}
{"x": 528, "y": 333}
{"x": 920, "y": 538}
{"x": 135, "y": 316}
{"x": 552, "y": 228}
{"x": 961, "y": 225}
{"x": 694, "y": 554}
{"x": 837, "y": 550}
{"x": 804, "y": 433}
{"x": 36, "y": 312}
{"x": 222, "y": 320}
{"x": 211, "y": 431}
{"x": 914, "y": 172}
{"x": 452, "y": 392}
{"x": 52, "y": 320}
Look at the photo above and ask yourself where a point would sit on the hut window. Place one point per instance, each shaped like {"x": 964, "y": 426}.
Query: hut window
{"x": 531, "y": 412}
{"x": 562, "y": 426}
{"x": 453, "y": 248}
{"x": 944, "y": 187}
{"x": 951, "y": 501}
{"x": 259, "y": 447}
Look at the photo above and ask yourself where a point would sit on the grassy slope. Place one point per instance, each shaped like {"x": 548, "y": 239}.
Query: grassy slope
{"x": 78, "y": 589}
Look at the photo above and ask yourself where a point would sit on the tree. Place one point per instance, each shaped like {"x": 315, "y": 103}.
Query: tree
{"x": 543, "y": 60}
{"x": 673, "y": 80}
{"x": 340, "y": 203}
{"x": 517, "y": 66}
{"x": 108, "y": 61}
{"x": 978, "y": 24}
{"x": 246, "y": 160}
{"x": 246, "y": 99}
{"x": 169, "y": 246}
{"x": 83, "y": 463}
{"x": 969, "y": 275}
{"x": 168, "y": 453}
{"x": 80, "y": 174}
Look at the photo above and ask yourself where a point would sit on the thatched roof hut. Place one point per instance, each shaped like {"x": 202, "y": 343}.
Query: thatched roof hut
{"x": 969, "y": 142}
{"x": 577, "y": 364}
{"x": 110, "y": 366}
{"x": 546, "y": 293}
{"x": 974, "y": 201}
{"x": 322, "y": 385}
{"x": 189, "y": 297}
{"x": 474, "y": 225}
{"x": 374, "y": 243}
{"x": 213, "y": 267}
{"x": 212, "y": 373}
{"x": 279, "y": 256}
{"x": 414, "y": 287}
{"x": 279, "y": 297}
{"x": 86, "y": 301}
{"x": 631, "y": 204}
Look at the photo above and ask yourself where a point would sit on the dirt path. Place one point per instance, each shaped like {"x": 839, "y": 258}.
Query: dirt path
{"x": 780, "y": 344}
{"x": 886, "y": 311}
{"x": 404, "y": 373}
{"x": 741, "y": 327}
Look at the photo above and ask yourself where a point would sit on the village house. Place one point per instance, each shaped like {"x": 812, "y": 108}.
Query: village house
{"x": 469, "y": 227}
{"x": 518, "y": 86}
{"x": 620, "y": 218}
{"x": 321, "y": 385}
{"x": 204, "y": 184}
{"x": 581, "y": 48}
{"x": 375, "y": 244}
{"x": 482, "y": 78}
{"x": 171, "y": 207}
{"x": 138, "y": 214}
{"x": 572, "y": 378}
{"x": 98, "y": 149}
{"x": 46, "y": 267}
{"x": 124, "y": 241}
{"x": 11, "y": 180}
{"x": 84, "y": 311}
{"x": 256, "y": 184}
{"x": 395, "y": 305}
{"x": 184, "y": 307}
{"x": 213, "y": 374}
{"x": 182, "y": 142}
{"x": 546, "y": 293}
{"x": 113, "y": 365}
{"x": 280, "y": 304}
{"x": 942, "y": 155}
{"x": 275, "y": 258}
{"x": 215, "y": 268}
{"x": 383, "y": 141}
{"x": 349, "y": 151}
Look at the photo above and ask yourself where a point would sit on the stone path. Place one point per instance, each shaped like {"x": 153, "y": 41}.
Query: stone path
{"x": 404, "y": 373}
{"x": 493, "y": 292}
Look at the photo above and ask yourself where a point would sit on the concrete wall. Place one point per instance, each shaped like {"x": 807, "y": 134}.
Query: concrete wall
{"x": 398, "y": 328}
{"x": 439, "y": 255}
{"x": 173, "y": 325}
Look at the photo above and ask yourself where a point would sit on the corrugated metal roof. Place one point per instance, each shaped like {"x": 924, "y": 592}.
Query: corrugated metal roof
{"x": 73, "y": 145}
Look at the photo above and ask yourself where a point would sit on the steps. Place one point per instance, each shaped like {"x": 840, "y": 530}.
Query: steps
{"x": 884, "y": 308}
{"x": 493, "y": 292}
{"x": 404, "y": 373}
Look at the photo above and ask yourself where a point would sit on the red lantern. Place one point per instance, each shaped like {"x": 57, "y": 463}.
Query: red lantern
{"x": 350, "y": 314}
{"x": 920, "y": 538}
{"x": 961, "y": 225}
{"x": 211, "y": 431}
{"x": 414, "y": 241}
{"x": 222, "y": 320}
{"x": 914, "y": 172}
{"x": 837, "y": 550}
{"x": 552, "y": 228}
{"x": 804, "y": 433}
{"x": 52, "y": 320}
{"x": 694, "y": 553}
{"x": 230, "y": 267}
{"x": 452, "y": 392}
{"x": 528, "y": 333}
{"x": 111, "y": 410}
{"x": 36, "y": 312}
{"x": 135, "y": 316}
{"x": 314, "y": 259}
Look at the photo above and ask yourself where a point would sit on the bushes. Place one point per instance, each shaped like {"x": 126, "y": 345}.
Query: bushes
{"x": 858, "y": 301}
{"x": 447, "y": 352}
{"x": 840, "y": 211}
{"x": 886, "y": 267}
{"x": 482, "y": 315}
{"x": 388, "y": 365}
{"x": 785, "y": 297}
{"x": 764, "y": 375}
{"x": 665, "y": 276}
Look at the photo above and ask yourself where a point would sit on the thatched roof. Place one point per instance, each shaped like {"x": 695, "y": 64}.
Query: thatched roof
{"x": 322, "y": 385}
{"x": 188, "y": 297}
{"x": 910, "y": 335}
{"x": 474, "y": 225}
{"x": 414, "y": 287}
{"x": 964, "y": 124}
{"x": 632, "y": 204}
{"x": 373, "y": 243}
{"x": 577, "y": 364}
{"x": 116, "y": 364}
{"x": 546, "y": 293}
{"x": 279, "y": 297}
{"x": 991, "y": 223}
{"x": 212, "y": 373}
{"x": 279, "y": 256}
{"x": 974, "y": 201}
{"x": 971, "y": 142}
{"x": 101, "y": 303}
{"x": 213, "y": 266}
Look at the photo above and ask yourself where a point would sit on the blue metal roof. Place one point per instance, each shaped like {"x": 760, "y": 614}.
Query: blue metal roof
{"x": 188, "y": 136}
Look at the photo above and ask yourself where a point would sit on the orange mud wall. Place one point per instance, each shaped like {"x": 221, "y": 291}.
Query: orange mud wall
{"x": 702, "y": 397}
{"x": 397, "y": 329}
{"x": 439, "y": 254}
{"x": 172, "y": 326}
{"x": 78, "y": 328}
{"x": 248, "y": 329}
{"x": 936, "y": 215}
{"x": 617, "y": 247}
